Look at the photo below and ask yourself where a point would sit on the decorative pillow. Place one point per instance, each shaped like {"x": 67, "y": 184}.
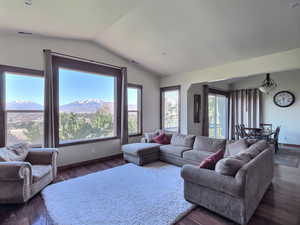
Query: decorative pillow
{"x": 151, "y": 135}
{"x": 255, "y": 149}
{"x": 229, "y": 166}
{"x": 17, "y": 152}
{"x": 162, "y": 139}
{"x": 243, "y": 156}
{"x": 235, "y": 147}
{"x": 211, "y": 161}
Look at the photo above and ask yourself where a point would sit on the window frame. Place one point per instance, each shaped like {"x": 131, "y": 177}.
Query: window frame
{"x": 88, "y": 67}
{"x": 140, "y": 111}
{"x": 3, "y": 112}
{"x": 165, "y": 89}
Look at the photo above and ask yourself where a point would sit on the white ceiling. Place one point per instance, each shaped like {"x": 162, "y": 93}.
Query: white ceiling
{"x": 165, "y": 36}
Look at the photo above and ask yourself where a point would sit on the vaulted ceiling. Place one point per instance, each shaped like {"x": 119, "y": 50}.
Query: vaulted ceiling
{"x": 165, "y": 36}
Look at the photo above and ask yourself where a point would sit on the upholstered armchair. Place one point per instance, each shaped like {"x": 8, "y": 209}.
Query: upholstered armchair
{"x": 21, "y": 180}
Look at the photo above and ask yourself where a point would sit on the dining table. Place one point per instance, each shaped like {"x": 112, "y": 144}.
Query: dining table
{"x": 258, "y": 133}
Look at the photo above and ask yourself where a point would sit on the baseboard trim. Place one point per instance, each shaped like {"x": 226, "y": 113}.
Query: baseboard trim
{"x": 290, "y": 145}
{"x": 61, "y": 168}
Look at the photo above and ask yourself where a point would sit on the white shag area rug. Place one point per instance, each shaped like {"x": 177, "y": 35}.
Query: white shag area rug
{"x": 124, "y": 195}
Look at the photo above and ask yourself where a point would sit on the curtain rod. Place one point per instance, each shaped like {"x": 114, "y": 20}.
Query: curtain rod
{"x": 84, "y": 59}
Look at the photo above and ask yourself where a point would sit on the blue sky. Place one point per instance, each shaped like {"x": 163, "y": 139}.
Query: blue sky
{"x": 73, "y": 86}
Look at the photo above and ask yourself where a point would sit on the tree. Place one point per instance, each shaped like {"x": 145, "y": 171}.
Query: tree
{"x": 132, "y": 124}
{"x": 102, "y": 124}
{"x": 33, "y": 131}
{"x": 86, "y": 125}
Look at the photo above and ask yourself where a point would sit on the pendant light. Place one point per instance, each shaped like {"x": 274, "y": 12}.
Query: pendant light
{"x": 267, "y": 85}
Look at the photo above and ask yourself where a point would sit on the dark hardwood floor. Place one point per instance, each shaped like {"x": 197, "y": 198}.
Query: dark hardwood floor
{"x": 280, "y": 205}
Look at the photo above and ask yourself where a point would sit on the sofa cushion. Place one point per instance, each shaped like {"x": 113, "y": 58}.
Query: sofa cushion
{"x": 257, "y": 148}
{"x": 233, "y": 148}
{"x": 195, "y": 155}
{"x": 173, "y": 149}
{"x": 17, "y": 152}
{"x": 182, "y": 140}
{"x": 140, "y": 148}
{"x": 40, "y": 171}
{"x": 211, "y": 161}
{"x": 208, "y": 144}
{"x": 229, "y": 166}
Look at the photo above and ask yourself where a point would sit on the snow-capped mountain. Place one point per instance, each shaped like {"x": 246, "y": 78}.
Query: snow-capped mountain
{"x": 23, "y": 105}
{"x": 83, "y": 106}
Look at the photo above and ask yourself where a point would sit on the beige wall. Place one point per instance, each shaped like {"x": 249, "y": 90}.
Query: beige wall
{"x": 287, "y": 118}
{"x": 26, "y": 51}
{"x": 270, "y": 63}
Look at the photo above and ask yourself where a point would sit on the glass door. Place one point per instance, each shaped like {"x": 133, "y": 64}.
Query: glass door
{"x": 218, "y": 115}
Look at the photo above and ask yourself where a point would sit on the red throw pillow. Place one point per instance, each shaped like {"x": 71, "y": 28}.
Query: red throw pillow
{"x": 211, "y": 161}
{"x": 162, "y": 139}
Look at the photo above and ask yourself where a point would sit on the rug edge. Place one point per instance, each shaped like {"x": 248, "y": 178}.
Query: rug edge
{"x": 183, "y": 214}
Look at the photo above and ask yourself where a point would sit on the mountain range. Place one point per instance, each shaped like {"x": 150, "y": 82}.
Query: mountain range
{"x": 84, "y": 106}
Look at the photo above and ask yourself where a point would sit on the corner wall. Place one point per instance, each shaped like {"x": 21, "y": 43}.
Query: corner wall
{"x": 27, "y": 51}
{"x": 282, "y": 61}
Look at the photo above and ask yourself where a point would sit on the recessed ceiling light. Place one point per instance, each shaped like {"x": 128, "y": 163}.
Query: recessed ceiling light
{"x": 164, "y": 53}
{"x": 28, "y": 2}
{"x": 133, "y": 61}
{"x": 24, "y": 33}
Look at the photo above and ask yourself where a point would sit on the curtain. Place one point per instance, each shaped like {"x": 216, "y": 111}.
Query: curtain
{"x": 49, "y": 137}
{"x": 205, "y": 122}
{"x": 245, "y": 108}
{"x": 124, "y": 108}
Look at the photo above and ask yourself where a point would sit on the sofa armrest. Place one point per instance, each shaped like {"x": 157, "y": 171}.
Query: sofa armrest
{"x": 15, "y": 170}
{"x": 42, "y": 156}
{"x": 257, "y": 174}
{"x": 211, "y": 179}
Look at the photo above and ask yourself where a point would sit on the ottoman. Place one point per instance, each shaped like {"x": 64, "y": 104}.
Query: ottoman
{"x": 141, "y": 153}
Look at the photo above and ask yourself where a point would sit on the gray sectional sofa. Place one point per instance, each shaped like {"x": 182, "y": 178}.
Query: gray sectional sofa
{"x": 183, "y": 149}
{"x": 232, "y": 195}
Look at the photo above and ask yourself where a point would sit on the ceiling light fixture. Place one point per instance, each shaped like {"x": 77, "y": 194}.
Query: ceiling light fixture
{"x": 28, "y": 2}
{"x": 268, "y": 85}
{"x": 133, "y": 61}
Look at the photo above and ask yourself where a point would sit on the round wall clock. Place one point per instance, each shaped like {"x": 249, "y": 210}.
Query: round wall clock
{"x": 284, "y": 99}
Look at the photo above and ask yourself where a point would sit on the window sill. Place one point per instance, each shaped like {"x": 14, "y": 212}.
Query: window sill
{"x": 80, "y": 142}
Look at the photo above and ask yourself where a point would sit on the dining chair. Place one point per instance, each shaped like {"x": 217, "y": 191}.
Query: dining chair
{"x": 245, "y": 134}
{"x": 275, "y": 139}
{"x": 266, "y": 126}
{"x": 239, "y": 132}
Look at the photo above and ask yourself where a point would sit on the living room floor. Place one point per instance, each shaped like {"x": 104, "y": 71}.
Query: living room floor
{"x": 280, "y": 205}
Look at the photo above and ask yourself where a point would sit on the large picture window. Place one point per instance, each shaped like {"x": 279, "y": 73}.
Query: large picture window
{"x": 170, "y": 108}
{"x": 134, "y": 94}
{"x": 22, "y": 107}
{"x": 87, "y": 107}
